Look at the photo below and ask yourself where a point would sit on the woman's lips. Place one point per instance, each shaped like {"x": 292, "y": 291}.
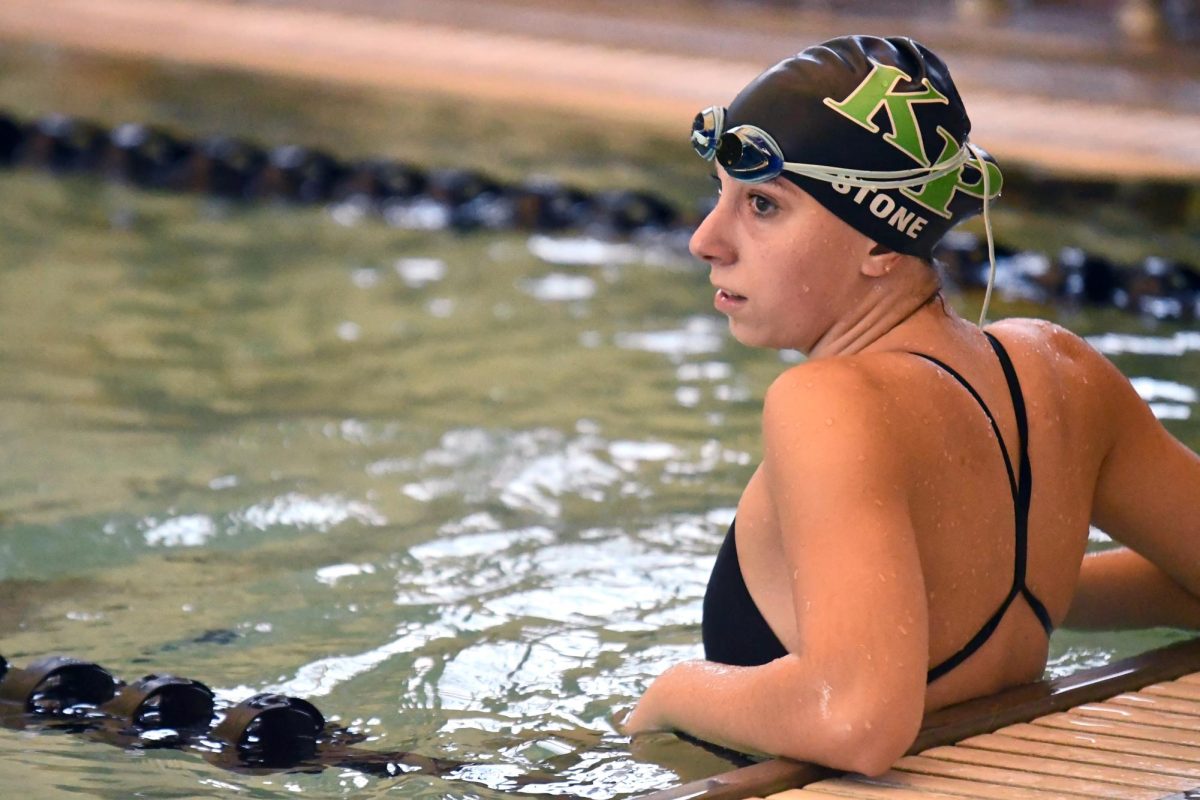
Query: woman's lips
{"x": 727, "y": 301}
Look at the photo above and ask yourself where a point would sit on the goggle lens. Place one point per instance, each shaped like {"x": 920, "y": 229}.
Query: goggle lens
{"x": 749, "y": 155}
{"x": 706, "y": 131}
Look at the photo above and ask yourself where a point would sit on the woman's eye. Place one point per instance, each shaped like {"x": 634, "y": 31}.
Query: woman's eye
{"x": 761, "y": 205}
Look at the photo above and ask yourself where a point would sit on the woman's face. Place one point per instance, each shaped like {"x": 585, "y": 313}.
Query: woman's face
{"x": 783, "y": 265}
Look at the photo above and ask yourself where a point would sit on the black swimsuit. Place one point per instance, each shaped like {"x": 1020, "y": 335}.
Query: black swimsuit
{"x": 734, "y": 630}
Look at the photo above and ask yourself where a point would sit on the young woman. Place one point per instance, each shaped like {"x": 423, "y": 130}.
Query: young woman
{"x": 917, "y": 526}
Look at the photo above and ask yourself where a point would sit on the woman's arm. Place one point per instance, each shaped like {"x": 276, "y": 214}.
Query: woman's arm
{"x": 1121, "y": 589}
{"x": 1148, "y": 498}
{"x": 853, "y": 697}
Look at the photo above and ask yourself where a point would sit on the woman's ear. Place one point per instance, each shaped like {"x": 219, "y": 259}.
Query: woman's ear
{"x": 880, "y": 261}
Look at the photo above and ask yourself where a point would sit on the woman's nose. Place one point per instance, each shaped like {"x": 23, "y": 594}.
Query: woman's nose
{"x": 710, "y": 241}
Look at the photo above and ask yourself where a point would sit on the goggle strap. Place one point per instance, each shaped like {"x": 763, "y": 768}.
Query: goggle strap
{"x": 987, "y": 227}
{"x": 890, "y": 179}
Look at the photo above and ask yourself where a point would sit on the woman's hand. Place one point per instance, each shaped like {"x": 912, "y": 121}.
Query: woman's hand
{"x": 647, "y": 716}
{"x": 628, "y": 722}
{"x": 639, "y": 720}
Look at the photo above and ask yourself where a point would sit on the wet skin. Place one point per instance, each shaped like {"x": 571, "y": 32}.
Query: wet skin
{"x": 876, "y": 536}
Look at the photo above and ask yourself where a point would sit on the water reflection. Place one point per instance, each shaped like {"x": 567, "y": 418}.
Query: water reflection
{"x": 1177, "y": 344}
{"x": 418, "y": 272}
{"x": 582, "y": 251}
{"x": 1167, "y": 399}
{"x": 697, "y": 336}
{"x": 559, "y": 287}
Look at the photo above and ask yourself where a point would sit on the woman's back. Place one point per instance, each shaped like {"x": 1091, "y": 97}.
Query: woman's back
{"x": 960, "y": 497}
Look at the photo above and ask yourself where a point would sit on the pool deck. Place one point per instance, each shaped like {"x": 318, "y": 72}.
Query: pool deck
{"x": 1129, "y": 730}
{"x": 1073, "y": 102}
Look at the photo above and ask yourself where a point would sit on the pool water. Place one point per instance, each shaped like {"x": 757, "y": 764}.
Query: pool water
{"x": 461, "y": 492}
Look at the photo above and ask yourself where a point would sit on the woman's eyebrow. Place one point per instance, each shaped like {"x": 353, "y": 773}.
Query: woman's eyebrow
{"x": 781, "y": 189}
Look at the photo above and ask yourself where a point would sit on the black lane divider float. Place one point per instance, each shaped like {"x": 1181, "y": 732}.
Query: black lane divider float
{"x": 265, "y": 732}
{"x": 150, "y": 157}
{"x": 404, "y": 195}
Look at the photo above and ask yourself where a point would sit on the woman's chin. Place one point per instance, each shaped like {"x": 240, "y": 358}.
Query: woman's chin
{"x": 756, "y": 337}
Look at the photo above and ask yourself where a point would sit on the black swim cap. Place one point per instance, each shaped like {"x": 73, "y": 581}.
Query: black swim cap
{"x": 868, "y": 103}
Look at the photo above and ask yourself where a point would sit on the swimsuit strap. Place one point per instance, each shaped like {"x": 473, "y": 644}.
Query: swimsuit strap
{"x": 1024, "y": 478}
{"x": 1021, "y": 486}
{"x": 1024, "y": 484}
{"x": 977, "y": 641}
{"x": 1012, "y": 481}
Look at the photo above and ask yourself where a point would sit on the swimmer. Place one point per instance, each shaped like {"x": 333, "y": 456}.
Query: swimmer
{"x": 917, "y": 526}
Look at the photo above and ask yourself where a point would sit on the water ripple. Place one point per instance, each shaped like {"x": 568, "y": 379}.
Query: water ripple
{"x": 295, "y": 510}
{"x": 557, "y": 287}
{"x": 582, "y": 251}
{"x": 697, "y": 336}
{"x": 1119, "y": 343}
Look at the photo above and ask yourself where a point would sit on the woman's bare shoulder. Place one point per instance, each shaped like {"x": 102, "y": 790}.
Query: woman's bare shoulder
{"x": 846, "y": 401}
{"x": 832, "y": 382}
{"x": 1063, "y": 357}
{"x": 1043, "y": 336}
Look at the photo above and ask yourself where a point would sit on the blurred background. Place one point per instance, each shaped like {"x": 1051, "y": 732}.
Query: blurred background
{"x": 352, "y": 349}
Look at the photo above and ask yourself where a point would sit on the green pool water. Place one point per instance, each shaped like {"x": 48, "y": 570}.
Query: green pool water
{"x": 461, "y": 492}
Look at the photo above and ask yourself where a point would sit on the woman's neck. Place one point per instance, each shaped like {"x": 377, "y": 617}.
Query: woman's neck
{"x": 896, "y": 311}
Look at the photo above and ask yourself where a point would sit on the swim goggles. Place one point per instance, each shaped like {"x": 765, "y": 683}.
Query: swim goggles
{"x": 750, "y": 155}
